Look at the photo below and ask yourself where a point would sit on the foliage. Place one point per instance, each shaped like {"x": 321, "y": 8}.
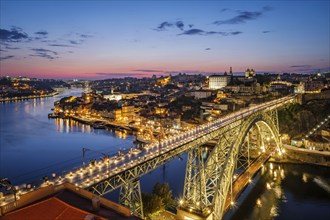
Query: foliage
{"x": 160, "y": 198}
{"x": 296, "y": 120}
{"x": 164, "y": 192}
{"x": 151, "y": 203}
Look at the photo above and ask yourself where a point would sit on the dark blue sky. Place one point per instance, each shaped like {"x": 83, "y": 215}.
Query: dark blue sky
{"x": 101, "y": 39}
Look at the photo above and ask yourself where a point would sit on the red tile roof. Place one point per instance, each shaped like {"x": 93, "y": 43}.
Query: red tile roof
{"x": 50, "y": 209}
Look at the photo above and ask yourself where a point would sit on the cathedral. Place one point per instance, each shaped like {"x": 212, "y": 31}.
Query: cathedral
{"x": 249, "y": 73}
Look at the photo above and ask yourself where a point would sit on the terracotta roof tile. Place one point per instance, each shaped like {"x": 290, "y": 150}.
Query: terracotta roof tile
{"x": 50, "y": 209}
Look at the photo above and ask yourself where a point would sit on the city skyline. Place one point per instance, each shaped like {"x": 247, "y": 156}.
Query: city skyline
{"x": 97, "y": 40}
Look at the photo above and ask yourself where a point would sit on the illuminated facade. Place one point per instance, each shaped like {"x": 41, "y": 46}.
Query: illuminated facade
{"x": 249, "y": 73}
{"x": 218, "y": 81}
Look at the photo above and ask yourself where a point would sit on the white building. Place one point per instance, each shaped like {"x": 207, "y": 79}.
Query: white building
{"x": 218, "y": 81}
{"x": 202, "y": 94}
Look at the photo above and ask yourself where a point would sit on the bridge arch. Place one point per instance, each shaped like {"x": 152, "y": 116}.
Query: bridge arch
{"x": 228, "y": 159}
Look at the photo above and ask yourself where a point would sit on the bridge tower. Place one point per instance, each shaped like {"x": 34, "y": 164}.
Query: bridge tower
{"x": 209, "y": 180}
{"x": 130, "y": 196}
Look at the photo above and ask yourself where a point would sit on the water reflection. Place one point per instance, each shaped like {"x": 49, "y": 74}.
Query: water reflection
{"x": 71, "y": 126}
{"x": 121, "y": 134}
{"x": 27, "y": 135}
{"x": 281, "y": 190}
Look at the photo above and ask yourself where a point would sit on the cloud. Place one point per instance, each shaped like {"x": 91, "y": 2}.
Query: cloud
{"x": 166, "y": 24}
{"x": 6, "y": 57}
{"x": 224, "y": 9}
{"x": 44, "y": 33}
{"x": 59, "y": 45}
{"x": 41, "y": 35}
{"x": 301, "y": 66}
{"x": 148, "y": 70}
{"x": 244, "y": 16}
{"x": 85, "y": 35}
{"x": 267, "y": 8}
{"x": 208, "y": 48}
{"x": 74, "y": 42}
{"x": 205, "y": 33}
{"x": 78, "y": 38}
{"x": 190, "y": 25}
{"x": 121, "y": 75}
{"x": 8, "y": 47}
{"x": 266, "y": 32}
{"x": 180, "y": 25}
{"x": 15, "y": 34}
{"x": 235, "y": 32}
{"x": 44, "y": 53}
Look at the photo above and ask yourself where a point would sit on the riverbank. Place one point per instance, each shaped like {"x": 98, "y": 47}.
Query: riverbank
{"x": 16, "y": 98}
{"x": 105, "y": 123}
{"x": 295, "y": 155}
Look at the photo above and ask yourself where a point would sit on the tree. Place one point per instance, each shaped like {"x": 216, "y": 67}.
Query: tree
{"x": 160, "y": 199}
{"x": 151, "y": 204}
{"x": 164, "y": 192}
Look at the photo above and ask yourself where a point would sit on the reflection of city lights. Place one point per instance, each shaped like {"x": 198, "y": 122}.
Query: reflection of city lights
{"x": 271, "y": 166}
{"x": 282, "y": 174}
{"x": 268, "y": 186}
{"x": 259, "y": 203}
{"x": 305, "y": 178}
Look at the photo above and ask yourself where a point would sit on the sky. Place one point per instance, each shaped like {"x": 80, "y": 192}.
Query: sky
{"x": 111, "y": 39}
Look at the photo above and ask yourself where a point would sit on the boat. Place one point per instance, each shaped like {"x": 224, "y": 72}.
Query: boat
{"x": 98, "y": 126}
{"x": 52, "y": 115}
{"x": 141, "y": 140}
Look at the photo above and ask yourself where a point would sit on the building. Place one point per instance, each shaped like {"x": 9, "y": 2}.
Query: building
{"x": 113, "y": 96}
{"x": 317, "y": 142}
{"x": 219, "y": 81}
{"x": 314, "y": 86}
{"x": 249, "y": 73}
{"x": 127, "y": 113}
{"x": 62, "y": 202}
{"x": 202, "y": 94}
{"x": 299, "y": 88}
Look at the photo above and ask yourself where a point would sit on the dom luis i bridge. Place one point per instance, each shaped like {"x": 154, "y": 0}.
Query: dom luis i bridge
{"x": 223, "y": 156}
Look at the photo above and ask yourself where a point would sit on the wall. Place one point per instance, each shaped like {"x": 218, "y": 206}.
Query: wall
{"x": 295, "y": 154}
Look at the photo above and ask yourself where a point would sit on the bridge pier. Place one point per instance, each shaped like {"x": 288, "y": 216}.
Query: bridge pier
{"x": 130, "y": 196}
{"x": 183, "y": 214}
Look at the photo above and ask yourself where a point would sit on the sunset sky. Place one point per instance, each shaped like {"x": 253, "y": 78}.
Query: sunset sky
{"x": 105, "y": 39}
